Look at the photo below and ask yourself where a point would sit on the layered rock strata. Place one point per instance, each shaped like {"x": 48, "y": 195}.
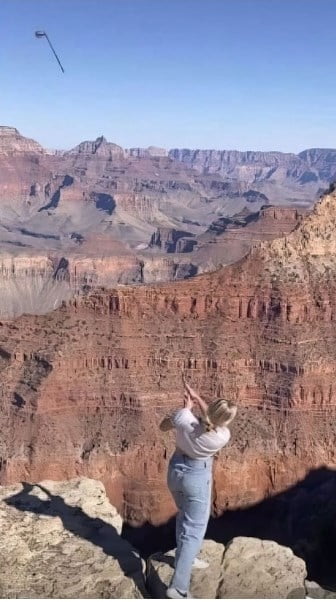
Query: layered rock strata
{"x": 83, "y": 389}
{"x": 99, "y": 187}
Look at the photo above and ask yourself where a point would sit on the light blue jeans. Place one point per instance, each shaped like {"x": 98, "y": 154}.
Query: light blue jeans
{"x": 190, "y": 483}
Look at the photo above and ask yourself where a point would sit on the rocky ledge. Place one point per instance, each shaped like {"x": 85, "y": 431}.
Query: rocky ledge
{"x": 62, "y": 540}
{"x": 245, "y": 568}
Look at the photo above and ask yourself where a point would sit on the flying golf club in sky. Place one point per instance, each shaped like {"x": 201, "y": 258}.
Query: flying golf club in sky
{"x": 43, "y": 34}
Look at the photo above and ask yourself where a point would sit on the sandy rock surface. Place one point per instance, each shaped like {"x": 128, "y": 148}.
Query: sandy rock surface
{"x": 247, "y": 568}
{"x": 62, "y": 540}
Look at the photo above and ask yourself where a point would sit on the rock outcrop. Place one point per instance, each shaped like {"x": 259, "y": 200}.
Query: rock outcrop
{"x": 315, "y": 591}
{"x": 228, "y": 239}
{"x": 322, "y": 161}
{"x": 169, "y": 240}
{"x": 100, "y": 147}
{"x": 11, "y": 141}
{"x": 246, "y": 568}
{"x": 62, "y": 540}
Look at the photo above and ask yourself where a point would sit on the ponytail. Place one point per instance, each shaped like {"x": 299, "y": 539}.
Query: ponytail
{"x": 219, "y": 413}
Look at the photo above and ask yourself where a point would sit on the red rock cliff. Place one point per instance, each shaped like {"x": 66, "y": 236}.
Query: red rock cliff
{"x": 83, "y": 389}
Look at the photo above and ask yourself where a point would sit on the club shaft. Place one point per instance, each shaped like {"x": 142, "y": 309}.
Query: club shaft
{"x": 52, "y": 48}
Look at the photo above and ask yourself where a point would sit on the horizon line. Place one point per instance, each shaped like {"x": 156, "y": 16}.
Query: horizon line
{"x": 168, "y": 150}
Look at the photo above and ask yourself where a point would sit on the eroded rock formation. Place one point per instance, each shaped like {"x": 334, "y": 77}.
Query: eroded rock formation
{"x": 99, "y": 187}
{"x": 32, "y": 281}
{"x": 84, "y": 388}
{"x": 37, "y": 283}
{"x": 172, "y": 241}
{"x": 11, "y": 141}
{"x": 106, "y": 211}
{"x": 228, "y": 239}
{"x": 261, "y": 172}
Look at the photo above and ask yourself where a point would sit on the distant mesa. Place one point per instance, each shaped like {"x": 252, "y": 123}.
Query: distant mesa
{"x": 6, "y": 130}
{"x": 11, "y": 141}
{"x": 151, "y": 151}
{"x": 155, "y": 151}
{"x": 100, "y": 146}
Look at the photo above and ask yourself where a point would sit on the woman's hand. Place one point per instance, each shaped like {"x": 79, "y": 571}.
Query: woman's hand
{"x": 190, "y": 391}
{"x": 196, "y": 399}
{"x": 188, "y": 401}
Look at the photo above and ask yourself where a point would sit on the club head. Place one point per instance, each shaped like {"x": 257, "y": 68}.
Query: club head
{"x": 43, "y": 34}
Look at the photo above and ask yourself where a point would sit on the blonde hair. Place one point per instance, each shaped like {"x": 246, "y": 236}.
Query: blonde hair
{"x": 219, "y": 413}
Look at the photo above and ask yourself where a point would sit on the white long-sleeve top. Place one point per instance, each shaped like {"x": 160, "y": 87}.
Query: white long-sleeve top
{"x": 192, "y": 438}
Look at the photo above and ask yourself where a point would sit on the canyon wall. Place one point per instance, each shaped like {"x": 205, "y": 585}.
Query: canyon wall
{"x": 48, "y": 200}
{"x": 251, "y": 167}
{"x": 83, "y": 389}
{"x": 39, "y": 283}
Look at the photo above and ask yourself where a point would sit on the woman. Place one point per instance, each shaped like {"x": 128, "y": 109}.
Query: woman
{"x": 190, "y": 478}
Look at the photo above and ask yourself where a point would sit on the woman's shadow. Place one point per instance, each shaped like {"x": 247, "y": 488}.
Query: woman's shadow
{"x": 79, "y": 523}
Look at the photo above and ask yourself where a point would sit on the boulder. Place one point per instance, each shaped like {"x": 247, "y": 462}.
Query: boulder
{"x": 62, "y": 540}
{"x": 315, "y": 591}
{"x": 256, "y": 568}
{"x": 246, "y": 568}
{"x": 204, "y": 582}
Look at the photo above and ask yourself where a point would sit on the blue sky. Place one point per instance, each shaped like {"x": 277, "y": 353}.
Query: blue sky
{"x": 234, "y": 74}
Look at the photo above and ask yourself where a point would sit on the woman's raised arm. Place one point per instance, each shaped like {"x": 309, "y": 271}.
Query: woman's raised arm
{"x": 188, "y": 403}
{"x": 196, "y": 398}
